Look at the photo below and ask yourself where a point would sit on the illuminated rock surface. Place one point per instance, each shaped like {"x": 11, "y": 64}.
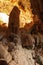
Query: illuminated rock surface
{"x": 14, "y": 53}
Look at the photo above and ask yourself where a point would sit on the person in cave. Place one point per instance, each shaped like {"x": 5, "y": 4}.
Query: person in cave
{"x": 13, "y": 25}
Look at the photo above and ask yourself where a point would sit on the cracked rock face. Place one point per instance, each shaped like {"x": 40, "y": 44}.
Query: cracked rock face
{"x": 19, "y": 55}
{"x": 15, "y": 54}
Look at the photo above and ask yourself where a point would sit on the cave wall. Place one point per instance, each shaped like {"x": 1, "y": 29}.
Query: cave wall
{"x": 37, "y": 9}
{"x": 37, "y": 6}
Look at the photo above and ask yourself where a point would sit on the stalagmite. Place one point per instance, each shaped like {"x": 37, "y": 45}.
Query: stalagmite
{"x": 14, "y": 20}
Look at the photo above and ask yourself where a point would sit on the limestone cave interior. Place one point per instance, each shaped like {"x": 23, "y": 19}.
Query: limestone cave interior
{"x": 21, "y": 32}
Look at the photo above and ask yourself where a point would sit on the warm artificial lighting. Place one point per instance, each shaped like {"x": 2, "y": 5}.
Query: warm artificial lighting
{"x": 4, "y": 19}
{"x": 26, "y": 15}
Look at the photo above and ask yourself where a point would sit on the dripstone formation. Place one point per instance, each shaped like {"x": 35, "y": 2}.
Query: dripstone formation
{"x": 13, "y": 25}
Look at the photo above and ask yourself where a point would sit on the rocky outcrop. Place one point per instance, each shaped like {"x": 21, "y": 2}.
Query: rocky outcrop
{"x": 15, "y": 54}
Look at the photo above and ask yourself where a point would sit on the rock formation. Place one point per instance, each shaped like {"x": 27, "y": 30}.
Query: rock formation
{"x": 37, "y": 9}
{"x": 14, "y": 20}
